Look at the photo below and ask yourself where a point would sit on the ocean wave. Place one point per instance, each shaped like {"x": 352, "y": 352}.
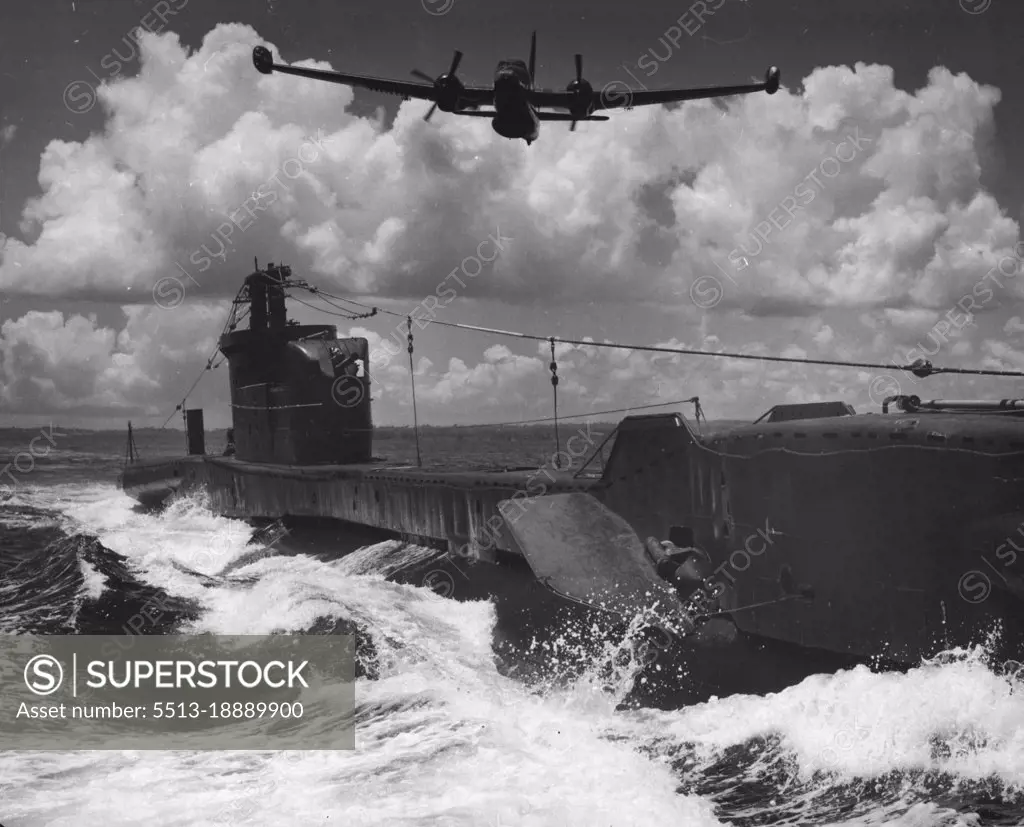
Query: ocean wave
{"x": 446, "y": 736}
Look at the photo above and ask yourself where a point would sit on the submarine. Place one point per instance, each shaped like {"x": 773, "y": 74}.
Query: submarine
{"x": 812, "y": 539}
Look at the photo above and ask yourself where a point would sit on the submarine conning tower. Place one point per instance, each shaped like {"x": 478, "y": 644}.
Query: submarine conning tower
{"x": 299, "y": 394}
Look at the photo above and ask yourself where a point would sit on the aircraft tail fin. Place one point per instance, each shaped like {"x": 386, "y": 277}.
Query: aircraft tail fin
{"x": 533, "y": 58}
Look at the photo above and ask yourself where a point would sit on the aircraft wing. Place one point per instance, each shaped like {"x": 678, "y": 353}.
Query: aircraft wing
{"x": 472, "y": 95}
{"x": 617, "y": 95}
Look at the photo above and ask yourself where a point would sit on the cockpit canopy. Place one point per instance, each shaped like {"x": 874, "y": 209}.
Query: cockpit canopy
{"x": 514, "y": 67}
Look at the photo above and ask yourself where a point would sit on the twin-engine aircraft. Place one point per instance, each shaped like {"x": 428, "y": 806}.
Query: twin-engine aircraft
{"x": 516, "y": 103}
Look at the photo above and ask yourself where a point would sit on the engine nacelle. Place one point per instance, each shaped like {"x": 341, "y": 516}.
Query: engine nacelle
{"x": 449, "y": 91}
{"x": 583, "y": 98}
{"x": 262, "y": 60}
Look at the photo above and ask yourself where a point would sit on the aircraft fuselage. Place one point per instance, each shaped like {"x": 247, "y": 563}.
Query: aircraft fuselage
{"x": 516, "y": 117}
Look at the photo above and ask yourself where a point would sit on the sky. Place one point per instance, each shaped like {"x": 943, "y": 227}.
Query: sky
{"x": 869, "y": 211}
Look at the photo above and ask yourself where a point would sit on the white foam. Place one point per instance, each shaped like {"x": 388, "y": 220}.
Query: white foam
{"x": 457, "y": 743}
{"x": 93, "y": 582}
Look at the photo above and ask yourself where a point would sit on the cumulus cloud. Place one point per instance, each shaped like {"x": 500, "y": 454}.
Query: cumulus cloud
{"x": 847, "y": 194}
{"x": 877, "y": 190}
{"x": 49, "y": 363}
{"x": 1014, "y": 326}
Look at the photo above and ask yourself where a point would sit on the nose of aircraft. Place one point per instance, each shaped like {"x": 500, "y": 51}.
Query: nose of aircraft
{"x": 506, "y": 78}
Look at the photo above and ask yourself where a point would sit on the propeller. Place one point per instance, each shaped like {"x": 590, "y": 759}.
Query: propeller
{"x": 456, "y": 59}
{"x": 579, "y": 82}
{"x": 447, "y": 87}
{"x": 583, "y": 92}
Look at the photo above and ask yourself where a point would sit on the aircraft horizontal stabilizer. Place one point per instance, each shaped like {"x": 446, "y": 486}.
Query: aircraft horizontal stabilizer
{"x": 565, "y": 116}
{"x": 544, "y": 116}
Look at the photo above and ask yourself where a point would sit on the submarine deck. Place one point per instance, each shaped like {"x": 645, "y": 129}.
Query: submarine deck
{"x": 456, "y": 506}
{"x": 973, "y": 432}
{"x": 390, "y": 471}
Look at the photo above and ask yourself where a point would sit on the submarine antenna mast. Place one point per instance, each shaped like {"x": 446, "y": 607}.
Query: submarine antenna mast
{"x": 131, "y": 452}
{"x": 412, "y": 381}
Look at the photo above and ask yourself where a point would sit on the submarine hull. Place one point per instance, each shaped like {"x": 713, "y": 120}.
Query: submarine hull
{"x": 825, "y": 537}
{"x": 152, "y": 483}
{"x": 854, "y": 584}
{"x": 543, "y": 639}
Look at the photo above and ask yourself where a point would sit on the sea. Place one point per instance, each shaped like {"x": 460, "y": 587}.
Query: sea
{"x": 443, "y": 736}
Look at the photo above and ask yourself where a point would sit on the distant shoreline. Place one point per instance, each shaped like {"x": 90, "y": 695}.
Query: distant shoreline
{"x": 377, "y": 428}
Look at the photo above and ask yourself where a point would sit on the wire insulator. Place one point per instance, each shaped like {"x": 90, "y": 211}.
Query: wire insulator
{"x": 554, "y": 390}
{"x": 412, "y": 382}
